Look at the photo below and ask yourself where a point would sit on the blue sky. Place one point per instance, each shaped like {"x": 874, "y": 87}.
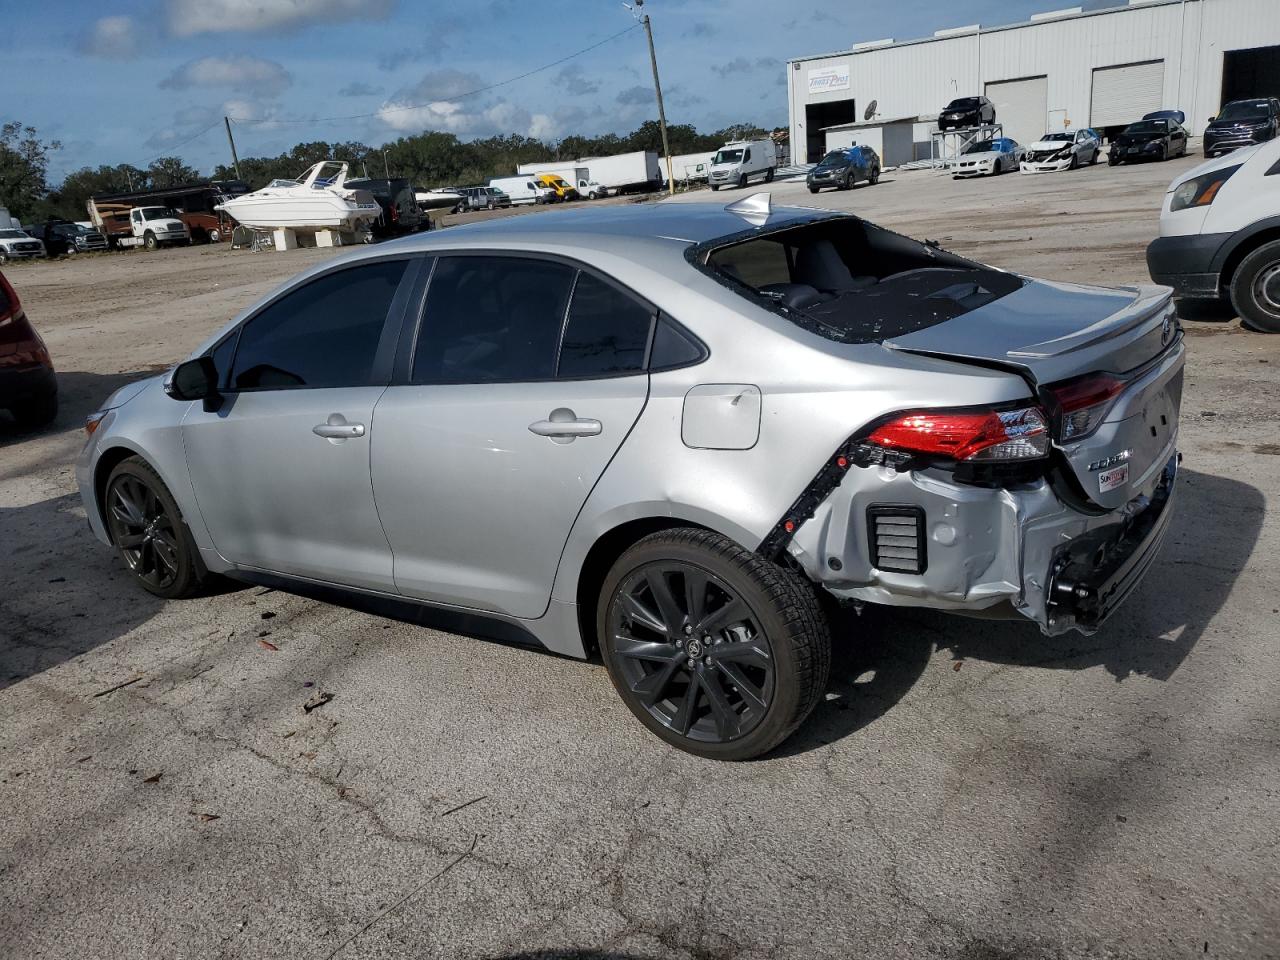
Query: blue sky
{"x": 125, "y": 82}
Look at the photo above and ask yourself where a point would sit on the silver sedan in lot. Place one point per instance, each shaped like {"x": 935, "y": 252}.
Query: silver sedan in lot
{"x": 661, "y": 432}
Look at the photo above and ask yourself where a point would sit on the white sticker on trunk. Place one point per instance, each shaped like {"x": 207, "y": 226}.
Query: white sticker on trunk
{"x": 1111, "y": 479}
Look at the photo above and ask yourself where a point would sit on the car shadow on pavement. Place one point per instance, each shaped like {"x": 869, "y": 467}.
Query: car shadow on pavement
{"x": 880, "y": 655}
{"x": 79, "y": 394}
{"x": 62, "y": 593}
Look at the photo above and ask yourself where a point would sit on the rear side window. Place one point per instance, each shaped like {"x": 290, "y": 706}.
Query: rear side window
{"x": 323, "y": 334}
{"x": 492, "y": 319}
{"x": 607, "y": 332}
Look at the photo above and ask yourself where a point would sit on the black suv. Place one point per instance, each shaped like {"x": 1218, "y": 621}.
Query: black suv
{"x": 967, "y": 112}
{"x": 63, "y": 237}
{"x": 400, "y": 213}
{"x": 1242, "y": 123}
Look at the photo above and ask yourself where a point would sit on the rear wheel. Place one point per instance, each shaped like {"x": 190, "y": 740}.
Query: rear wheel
{"x": 875, "y": 176}
{"x": 1255, "y": 288}
{"x": 768, "y": 177}
{"x": 716, "y": 650}
{"x": 147, "y": 529}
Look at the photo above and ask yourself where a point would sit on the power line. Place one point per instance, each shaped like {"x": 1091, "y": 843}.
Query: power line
{"x": 173, "y": 149}
{"x": 453, "y": 99}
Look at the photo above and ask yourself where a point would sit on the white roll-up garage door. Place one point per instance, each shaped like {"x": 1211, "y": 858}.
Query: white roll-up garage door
{"x": 1021, "y": 106}
{"x": 1122, "y": 95}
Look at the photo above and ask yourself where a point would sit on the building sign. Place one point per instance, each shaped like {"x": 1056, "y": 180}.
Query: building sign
{"x": 829, "y": 79}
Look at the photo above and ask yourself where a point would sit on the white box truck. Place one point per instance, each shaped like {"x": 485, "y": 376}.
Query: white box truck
{"x": 626, "y": 171}
{"x": 523, "y": 189}
{"x": 739, "y": 162}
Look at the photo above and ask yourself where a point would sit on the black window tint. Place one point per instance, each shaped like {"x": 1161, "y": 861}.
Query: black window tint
{"x": 490, "y": 319}
{"x": 607, "y": 331}
{"x": 324, "y": 334}
{"x": 221, "y": 356}
{"x": 672, "y": 347}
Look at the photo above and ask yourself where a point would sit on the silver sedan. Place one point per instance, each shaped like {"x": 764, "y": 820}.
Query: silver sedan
{"x": 661, "y": 432}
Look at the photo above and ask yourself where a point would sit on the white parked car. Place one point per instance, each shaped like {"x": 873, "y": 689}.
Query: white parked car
{"x": 988, "y": 157}
{"x": 1220, "y": 234}
{"x": 16, "y": 245}
{"x": 1062, "y": 150}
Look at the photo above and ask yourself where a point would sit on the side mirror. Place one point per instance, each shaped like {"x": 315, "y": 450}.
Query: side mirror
{"x": 194, "y": 380}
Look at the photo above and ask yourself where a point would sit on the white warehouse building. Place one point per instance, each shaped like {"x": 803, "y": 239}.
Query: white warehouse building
{"x": 1073, "y": 68}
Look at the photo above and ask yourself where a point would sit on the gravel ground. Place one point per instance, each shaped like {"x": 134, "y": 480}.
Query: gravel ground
{"x": 967, "y": 790}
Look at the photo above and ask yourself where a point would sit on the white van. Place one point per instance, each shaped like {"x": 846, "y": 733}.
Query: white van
{"x": 1218, "y": 234}
{"x": 736, "y": 163}
{"x": 523, "y": 189}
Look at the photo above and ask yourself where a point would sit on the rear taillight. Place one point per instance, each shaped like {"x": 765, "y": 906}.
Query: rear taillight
{"x": 10, "y": 306}
{"x": 980, "y": 436}
{"x": 1084, "y": 402}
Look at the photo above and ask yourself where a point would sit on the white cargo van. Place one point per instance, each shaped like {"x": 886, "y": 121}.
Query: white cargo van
{"x": 737, "y": 163}
{"x": 523, "y": 189}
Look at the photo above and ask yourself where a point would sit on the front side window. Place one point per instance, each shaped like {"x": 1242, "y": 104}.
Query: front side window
{"x": 490, "y": 319}
{"x": 607, "y": 332}
{"x": 322, "y": 334}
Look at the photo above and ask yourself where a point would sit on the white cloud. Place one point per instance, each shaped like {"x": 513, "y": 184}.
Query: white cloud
{"x": 187, "y": 17}
{"x": 264, "y": 77}
{"x": 112, "y": 38}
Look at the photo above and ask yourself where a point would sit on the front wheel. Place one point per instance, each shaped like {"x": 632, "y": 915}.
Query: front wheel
{"x": 214, "y": 236}
{"x": 147, "y": 529}
{"x": 716, "y": 650}
{"x": 742, "y": 181}
{"x": 1075, "y": 161}
{"x": 811, "y": 189}
{"x": 1255, "y": 289}
{"x": 151, "y": 242}
{"x": 4, "y": 256}
{"x": 715, "y": 187}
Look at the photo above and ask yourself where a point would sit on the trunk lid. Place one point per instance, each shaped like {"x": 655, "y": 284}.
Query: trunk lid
{"x": 1051, "y": 332}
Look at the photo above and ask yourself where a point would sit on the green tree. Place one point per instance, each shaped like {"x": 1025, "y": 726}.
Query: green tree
{"x": 166, "y": 172}
{"x": 24, "y": 170}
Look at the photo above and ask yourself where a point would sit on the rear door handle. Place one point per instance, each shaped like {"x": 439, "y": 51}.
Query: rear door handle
{"x": 563, "y": 426}
{"x": 337, "y": 428}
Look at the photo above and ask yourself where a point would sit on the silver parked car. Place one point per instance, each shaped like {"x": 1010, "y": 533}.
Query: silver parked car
{"x": 662, "y": 432}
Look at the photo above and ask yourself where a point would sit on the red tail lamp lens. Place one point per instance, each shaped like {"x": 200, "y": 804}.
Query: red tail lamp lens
{"x": 985, "y": 435}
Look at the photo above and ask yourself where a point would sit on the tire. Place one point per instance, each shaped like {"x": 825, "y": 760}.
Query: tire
{"x": 758, "y": 670}
{"x": 768, "y": 177}
{"x": 715, "y": 187}
{"x": 1255, "y": 289}
{"x": 811, "y": 189}
{"x": 1075, "y": 161}
{"x": 742, "y": 181}
{"x": 137, "y": 504}
{"x": 875, "y": 176}
{"x": 1093, "y": 157}
{"x": 4, "y": 256}
{"x": 847, "y": 183}
{"x": 1164, "y": 153}
{"x": 36, "y": 412}
{"x": 214, "y": 236}
{"x": 1113, "y": 161}
{"x": 150, "y": 241}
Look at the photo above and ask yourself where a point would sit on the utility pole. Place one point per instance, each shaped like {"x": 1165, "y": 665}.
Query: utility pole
{"x": 385, "y": 168}
{"x": 235, "y": 161}
{"x": 657, "y": 87}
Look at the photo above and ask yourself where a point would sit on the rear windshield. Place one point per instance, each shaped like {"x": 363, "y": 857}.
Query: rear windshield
{"x": 852, "y": 281}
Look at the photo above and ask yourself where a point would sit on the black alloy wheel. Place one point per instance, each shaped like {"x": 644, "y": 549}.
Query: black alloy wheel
{"x": 714, "y": 649}
{"x": 146, "y": 526}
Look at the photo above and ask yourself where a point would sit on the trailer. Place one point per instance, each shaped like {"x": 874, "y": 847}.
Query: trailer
{"x": 691, "y": 166}
{"x": 626, "y": 172}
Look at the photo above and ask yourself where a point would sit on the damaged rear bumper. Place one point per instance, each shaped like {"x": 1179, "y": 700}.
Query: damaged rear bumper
{"x": 1000, "y": 552}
